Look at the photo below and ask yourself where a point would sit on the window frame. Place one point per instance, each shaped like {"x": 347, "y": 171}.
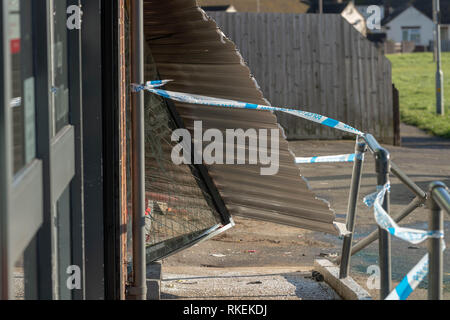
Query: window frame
{"x": 28, "y": 209}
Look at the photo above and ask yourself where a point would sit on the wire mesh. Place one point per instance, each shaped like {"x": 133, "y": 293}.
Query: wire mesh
{"x": 177, "y": 201}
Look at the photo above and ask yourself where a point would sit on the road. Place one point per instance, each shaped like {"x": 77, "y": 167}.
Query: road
{"x": 260, "y": 245}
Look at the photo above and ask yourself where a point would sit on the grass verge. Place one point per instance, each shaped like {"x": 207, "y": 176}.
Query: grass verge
{"x": 414, "y": 76}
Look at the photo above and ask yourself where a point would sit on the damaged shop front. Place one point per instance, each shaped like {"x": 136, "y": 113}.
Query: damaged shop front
{"x": 90, "y": 192}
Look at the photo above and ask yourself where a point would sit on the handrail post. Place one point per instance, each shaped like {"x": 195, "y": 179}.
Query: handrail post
{"x": 382, "y": 165}
{"x": 384, "y": 242}
{"x": 360, "y": 149}
{"x": 435, "y": 253}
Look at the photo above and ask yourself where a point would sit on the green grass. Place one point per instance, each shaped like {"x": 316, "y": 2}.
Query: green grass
{"x": 414, "y": 76}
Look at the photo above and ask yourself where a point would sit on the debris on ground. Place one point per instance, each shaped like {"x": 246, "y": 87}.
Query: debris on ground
{"x": 317, "y": 276}
{"x": 328, "y": 255}
{"x": 260, "y": 283}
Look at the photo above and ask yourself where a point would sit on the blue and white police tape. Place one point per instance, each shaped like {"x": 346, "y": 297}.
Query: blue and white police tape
{"x": 414, "y": 277}
{"x": 16, "y": 102}
{"x": 410, "y": 282}
{"x": 420, "y": 270}
{"x": 327, "y": 159}
{"x": 383, "y": 219}
{"x": 152, "y": 86}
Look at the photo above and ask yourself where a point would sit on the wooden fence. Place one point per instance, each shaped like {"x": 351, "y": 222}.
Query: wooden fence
{"x": 316, "y": 63}
{"x": 445, "y": 45}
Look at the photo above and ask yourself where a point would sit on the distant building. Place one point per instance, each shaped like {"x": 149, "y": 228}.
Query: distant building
{"x": 408, "y": 23}
{"x": 347, "y": 10}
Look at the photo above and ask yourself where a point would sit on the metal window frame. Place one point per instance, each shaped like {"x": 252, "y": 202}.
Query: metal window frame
{"x": 5, "y": 157}
{"x": 31, "y": 195}
{"x": 113, "y": 255}
{"x": 33, "y": 192}
{"x": 22, "y": 210}
{"x": 59, "y": 153}
{"x": 77, "y": 190}
{"x": 93, "y": 153}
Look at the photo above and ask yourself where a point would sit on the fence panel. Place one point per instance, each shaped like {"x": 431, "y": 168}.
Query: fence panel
{"x": 317, "y": 63}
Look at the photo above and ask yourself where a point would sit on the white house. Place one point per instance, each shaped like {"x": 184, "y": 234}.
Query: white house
{"x": 411, "y": 24}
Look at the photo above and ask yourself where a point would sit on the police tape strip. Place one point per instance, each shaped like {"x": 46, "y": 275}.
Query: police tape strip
{"x": 414, "y": 277}
{"x": 152, "y": 86}
{"x": 414, "y": 236}
{"x": 383, "y": 219}
{"x": 410, "y": 282}
{"x": 327, "y": 159}
{"x": 16, "y": 102}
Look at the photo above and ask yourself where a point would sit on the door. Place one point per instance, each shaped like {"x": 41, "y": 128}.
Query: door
{"x": 21, "y": 177}
{"x": 38, "y": 125}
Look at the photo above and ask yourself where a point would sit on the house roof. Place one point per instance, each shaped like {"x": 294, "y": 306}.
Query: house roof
{"x": 423, "y": 7}
{"x": 281, "y": 6}
{"x": 328, "y": 7}
{"x": 395, "y": 14}
{"x": 187, "y": 46}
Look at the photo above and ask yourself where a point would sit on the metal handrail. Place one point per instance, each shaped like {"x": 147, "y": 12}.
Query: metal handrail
{"x": 440, "y": 194}
{"x": 373, "y": 236}
{"x": 438, "y": 199}
{"x": 408, "y": 182}
{"x": 360, "y": 150}
{"x": 382, "y": 168}
{"x": 417, "y": 202}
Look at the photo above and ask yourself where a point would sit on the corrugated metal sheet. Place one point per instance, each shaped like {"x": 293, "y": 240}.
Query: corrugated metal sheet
{"x": 188, "y": 47}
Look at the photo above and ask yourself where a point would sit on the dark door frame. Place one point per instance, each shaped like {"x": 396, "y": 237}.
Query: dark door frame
{"x": 102, "y": 149}
{"x": 112, "y": 148}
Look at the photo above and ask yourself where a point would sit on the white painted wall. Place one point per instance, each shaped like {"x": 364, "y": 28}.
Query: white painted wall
{"x": 409, "y": 18}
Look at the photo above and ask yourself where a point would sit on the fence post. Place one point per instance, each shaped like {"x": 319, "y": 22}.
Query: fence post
{"x": 435, "y": 253}
{"x": 396, "y": 107}
{"x": 360, "y": 149}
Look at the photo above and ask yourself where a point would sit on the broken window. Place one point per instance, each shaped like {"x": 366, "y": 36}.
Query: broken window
{"x": 180, "y": 209}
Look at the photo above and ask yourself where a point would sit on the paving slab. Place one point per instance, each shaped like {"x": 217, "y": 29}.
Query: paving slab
{"x": 243, "y": 284}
